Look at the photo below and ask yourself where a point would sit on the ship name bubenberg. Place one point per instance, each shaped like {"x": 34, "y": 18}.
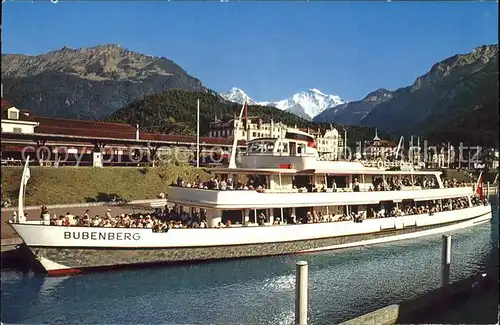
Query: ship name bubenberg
{"x": 98, "y": 235}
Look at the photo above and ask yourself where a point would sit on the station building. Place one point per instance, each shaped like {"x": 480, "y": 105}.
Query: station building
{"x": 57, "y": 141}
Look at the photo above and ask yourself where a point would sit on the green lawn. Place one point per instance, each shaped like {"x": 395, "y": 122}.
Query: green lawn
{"x": 86, "y": 184}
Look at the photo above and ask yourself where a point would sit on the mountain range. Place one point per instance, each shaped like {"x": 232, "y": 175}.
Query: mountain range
{"x": 174, "y": 112}
{"x": 353, "y": 112}
{"x": 452, "y": 88}
{"x": 457, "y": 99}
{"x": 305, "y": 104}
{"x": 88, "y": 83}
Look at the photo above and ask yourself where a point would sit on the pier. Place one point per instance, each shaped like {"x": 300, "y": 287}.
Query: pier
{"x": 10, "y": 257}
{"x": 439, "y": 305}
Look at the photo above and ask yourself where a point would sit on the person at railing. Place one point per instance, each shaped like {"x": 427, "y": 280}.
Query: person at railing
{"x": 355, "y": 185}
{"x": 223, "y": 185}
{"x": 197, "y": 180}
{"x": 358, "y": 218}
{"x": 261, "y": 219}
{"x": 453, "y": 183}
{"x": 43, "y": 213}
{"x": 183, "y": 220}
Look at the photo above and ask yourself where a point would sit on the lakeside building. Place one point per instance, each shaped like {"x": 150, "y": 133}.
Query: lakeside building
{"x": 329, "y": 142}
{"x": 54, "y": 141}
{"x": 378, "y": 148}
{"x": 17, "y": 121}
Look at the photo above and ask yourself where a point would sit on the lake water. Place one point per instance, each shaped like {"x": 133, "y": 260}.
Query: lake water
{"x": 342, "y": 285}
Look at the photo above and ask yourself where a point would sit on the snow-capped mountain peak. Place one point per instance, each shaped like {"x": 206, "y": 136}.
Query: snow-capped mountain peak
{"x": 306, "y": 104}
{"x": 314, "y": 90}
{"x": 237, "y": 95}
{"x": 311, "y": 102}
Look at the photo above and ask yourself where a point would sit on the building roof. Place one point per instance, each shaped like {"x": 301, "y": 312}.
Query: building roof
{"x": 23, "y": 115}
{"x": 383, "y": 144}
{"x": 97, "y": 129}
{"x": 230, "y": 122}
{"x": 85, "y": 124}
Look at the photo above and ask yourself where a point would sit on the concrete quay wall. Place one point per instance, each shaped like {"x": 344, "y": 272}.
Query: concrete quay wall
{"x": 411, "y": 311}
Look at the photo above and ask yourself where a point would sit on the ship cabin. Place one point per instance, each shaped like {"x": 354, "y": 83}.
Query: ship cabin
{"x": 292, "y": 143}
{"x": 279, "y": 178}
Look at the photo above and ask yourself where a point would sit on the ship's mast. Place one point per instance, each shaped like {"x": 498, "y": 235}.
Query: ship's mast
{"x": 399, "y": 147}
{"x": 232, "y": 160}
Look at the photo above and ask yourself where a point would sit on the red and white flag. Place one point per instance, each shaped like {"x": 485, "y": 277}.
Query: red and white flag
{"x": 479, "y": 186}
{"x": 311, "y": 144}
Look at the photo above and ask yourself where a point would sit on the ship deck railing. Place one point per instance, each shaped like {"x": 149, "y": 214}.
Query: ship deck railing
{"x": 304, "y": 190}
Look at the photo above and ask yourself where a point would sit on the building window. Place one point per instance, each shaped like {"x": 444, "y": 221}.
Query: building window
{"x": 13, "y": 115}
{"x": 17, "y": 130}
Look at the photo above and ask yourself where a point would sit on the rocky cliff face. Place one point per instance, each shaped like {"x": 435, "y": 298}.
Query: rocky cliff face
{"x": 451, "y": 90}
{"x": 88, "y": 83}
{"x": 354, "y": 112}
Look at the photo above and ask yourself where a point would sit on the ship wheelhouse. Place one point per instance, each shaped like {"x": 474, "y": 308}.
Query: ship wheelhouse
{"x": 293, "y": 143}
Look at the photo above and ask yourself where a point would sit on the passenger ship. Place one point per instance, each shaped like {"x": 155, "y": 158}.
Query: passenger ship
{"x": 290, "y": 182}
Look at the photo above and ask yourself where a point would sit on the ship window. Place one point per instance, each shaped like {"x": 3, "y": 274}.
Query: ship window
{"x": 17, "y": 130}
{"x": 301, "y": 137}
{"x": 268, "y": 147}
{"x": 283, "y": 147}
{"x": 261, "y": 146}
{"x": 13, "y": 115}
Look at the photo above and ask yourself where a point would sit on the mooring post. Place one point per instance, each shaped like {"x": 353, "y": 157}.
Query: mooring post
{"x": 301, "y": 293}
{"x": 445, "y": 260}
{"x": 487, "y": 189}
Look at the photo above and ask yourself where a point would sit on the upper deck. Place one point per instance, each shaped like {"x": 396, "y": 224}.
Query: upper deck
{"x": 262, "y": 199}
{"x": 275, "y": 170}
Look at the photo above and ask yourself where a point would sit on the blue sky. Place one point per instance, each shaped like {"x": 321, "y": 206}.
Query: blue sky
{"x": 270, "y": 50}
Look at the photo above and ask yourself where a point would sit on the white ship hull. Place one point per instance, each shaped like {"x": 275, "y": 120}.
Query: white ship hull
{"x": 63, "y": 250}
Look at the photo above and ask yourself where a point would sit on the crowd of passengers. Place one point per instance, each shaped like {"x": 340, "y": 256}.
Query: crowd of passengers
{"x": 389, "y": 183}
{"x": 160, "y": 221}
{"x": 430, "y": 207}
{"x": 164, "y": 219}
{"x": 224, "y": 183}
{"x": 453, "y": 183}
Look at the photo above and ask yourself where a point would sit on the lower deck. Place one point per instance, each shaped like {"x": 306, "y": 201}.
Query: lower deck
{"x": 194, "y": 217}
{"x": 67, "y": 260}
